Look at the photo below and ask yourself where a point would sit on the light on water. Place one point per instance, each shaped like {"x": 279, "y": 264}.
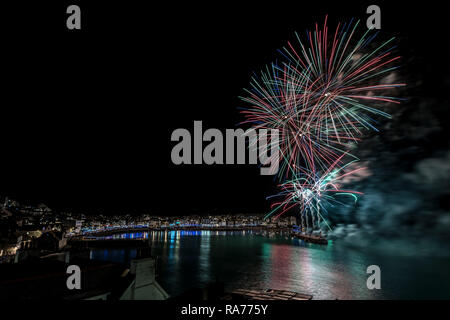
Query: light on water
{"x": 188, "y": 259}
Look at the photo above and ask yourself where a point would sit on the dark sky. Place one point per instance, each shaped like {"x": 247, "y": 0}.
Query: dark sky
{"x": 86, "y": 116}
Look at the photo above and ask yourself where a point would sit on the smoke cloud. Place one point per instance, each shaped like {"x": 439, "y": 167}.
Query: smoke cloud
{"x": 405, "y": 208}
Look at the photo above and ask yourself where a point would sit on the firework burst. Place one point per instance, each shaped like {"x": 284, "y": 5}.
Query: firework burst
{"x": 322, "y": 95}
{"x": 312, "y": 193}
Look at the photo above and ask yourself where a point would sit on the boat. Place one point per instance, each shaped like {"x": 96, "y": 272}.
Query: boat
{"x": 317, "y": 239}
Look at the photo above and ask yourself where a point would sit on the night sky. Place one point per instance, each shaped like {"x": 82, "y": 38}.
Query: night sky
{"x": 86, "y": 116}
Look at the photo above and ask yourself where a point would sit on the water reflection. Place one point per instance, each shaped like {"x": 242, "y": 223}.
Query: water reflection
{"x": 204, "y": 256}
{"x": 189, "y": 259}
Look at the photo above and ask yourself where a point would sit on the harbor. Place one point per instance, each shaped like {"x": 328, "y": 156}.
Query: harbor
{"x": 106, "y": 235}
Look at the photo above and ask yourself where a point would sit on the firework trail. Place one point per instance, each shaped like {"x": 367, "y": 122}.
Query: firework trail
{"x": 312, "y": 192}
{"x": 322, "y": 95}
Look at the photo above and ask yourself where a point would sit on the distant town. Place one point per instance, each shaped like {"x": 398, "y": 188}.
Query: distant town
{"x": 39, "y": 227}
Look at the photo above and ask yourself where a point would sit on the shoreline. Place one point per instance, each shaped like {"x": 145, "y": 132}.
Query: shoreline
{"x": 104, "y": 233}
{"x": 259, "y": 230}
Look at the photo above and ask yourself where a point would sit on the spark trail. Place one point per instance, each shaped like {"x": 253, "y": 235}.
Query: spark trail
{"x": 323, "y": 94}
